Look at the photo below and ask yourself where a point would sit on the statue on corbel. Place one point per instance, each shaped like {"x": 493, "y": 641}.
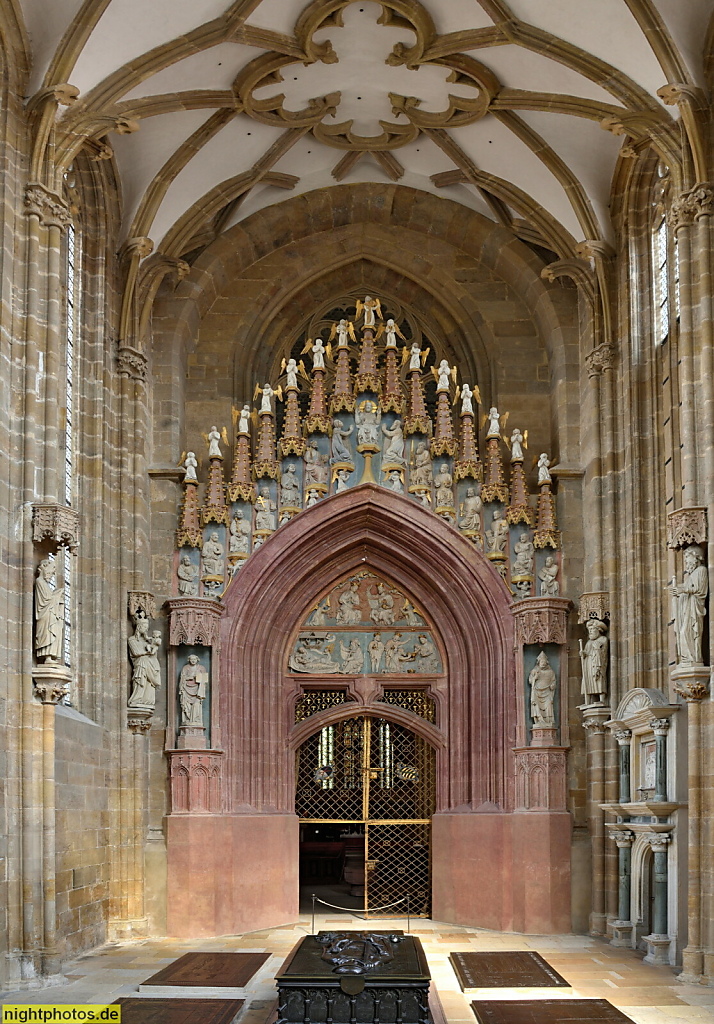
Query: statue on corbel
{"x": 594, "y": 614}
{"x": 143, "y": 647}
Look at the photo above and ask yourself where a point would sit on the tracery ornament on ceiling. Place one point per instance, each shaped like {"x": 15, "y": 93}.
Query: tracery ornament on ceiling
{"x": 474, "y": 85}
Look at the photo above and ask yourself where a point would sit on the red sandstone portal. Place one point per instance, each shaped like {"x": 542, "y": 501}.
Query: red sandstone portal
{"x": 493, "y": 866}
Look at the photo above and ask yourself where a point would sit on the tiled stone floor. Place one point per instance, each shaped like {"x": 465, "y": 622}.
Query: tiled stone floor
{"x": 649, "y": 995}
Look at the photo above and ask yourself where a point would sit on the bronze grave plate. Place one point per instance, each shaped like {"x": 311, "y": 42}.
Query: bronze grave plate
{"x": 548, "y": 1011}
{"x": 179, "y": 1011}
{"x": 210, "y": 970}
{"x": 513, "y": 969}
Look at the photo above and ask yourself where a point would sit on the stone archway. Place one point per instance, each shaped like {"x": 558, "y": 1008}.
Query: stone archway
{"x": 237, "y": 870}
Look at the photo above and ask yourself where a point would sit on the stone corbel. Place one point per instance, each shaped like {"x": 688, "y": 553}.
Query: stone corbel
{"x": 541, "y": 620}
{"x": 195, "y": 621}
{"x": 139, "y": 720}
{"x": 594, "y": 606}
{"x": 687, "y": 526}
{"x": 131, "y": 363}
{"x": 600, "y": 359}
{"x": 51, "y": 683}
{"x": 56, "y": 523}
{"x": 691, "y": 682}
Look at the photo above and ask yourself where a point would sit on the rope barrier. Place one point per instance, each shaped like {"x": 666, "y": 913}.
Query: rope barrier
{"x": 352, "y": 910}
{"x": 405, "y": 899}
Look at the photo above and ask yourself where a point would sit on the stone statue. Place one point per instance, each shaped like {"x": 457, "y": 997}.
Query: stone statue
{"x": 322, "y": 612}
{"x": 394, "y": 448}
{"x": 341, "y": 478}
{"x": 265, "y": 509}
{"x": 49, "y": 614}
{"x": 689, "y": 606}
{"x": 542, "y": 683}
{"x": 548, "y": 576}
{"x": 594, "y": 661}
{"x": 340, "y": 451}
{"x": 352, "y": 658}
{"x": 410, "y": 613}
{"x": 497, "y": 536}
{"x": 494, "y": 423}
{"x": 381, "y": 604}
{"x": 414, "y": 357}
{"x": 349, "y": 612}
{"x": 525, "y": 553}
{"x": 367, "y": 418}
{"x": 214, "y": 449}
{"x": 470, "y": 510}
{"x": 244, "y": 420}
{"x": 544, "y": 476}
{"x": 313, "y": 497}
{"x": 467, "y": 405}
{"x": 343, "y": 331}
{"x": 265, "y": 403}
{"x": 426, "y": 659}
{"x": 212, "y": 557}
{"x": 239, "y": 534}
{"x": 394, "y": 482}
{"x": 318, "y": 355}
{"x": 192, "y": 686}
{"x": 290, "y": 487}
{"x": 315, "y": 466}
{"x": 443, "y": 481}
{"x": 146, "y": 672}
{"x": 370, "y": 307}
{"x": 394, "y": 653}
{"x": 314, "y": 654}
{"x": 187, "y": 574}
{"x": 443, "y": 374}
{"x": 421, "y": 472}
{"x": 392, "y": 330}
{"x": 517, "y": 442}
{"x": 376, "y": 651}
{"x": 291, "y": 372}
{"x": 190, "y": 464}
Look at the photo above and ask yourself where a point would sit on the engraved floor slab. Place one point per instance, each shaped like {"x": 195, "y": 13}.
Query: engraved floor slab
{"x": 548, "y": 1011}
{"x": 206, "y": 974}
{"x": 512, "y": 969}
{"x": 179, "y": 1011}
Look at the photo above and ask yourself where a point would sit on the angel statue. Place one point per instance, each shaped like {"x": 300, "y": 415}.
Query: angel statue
{"x": 369, "y": 307}
{"x": 290, "y": 369}
{"x": 341, "y": 331}
{"x": 392, "y": 330}
{"x": 494, "y": 423}
{"x": 519, "y": 441}
{"x": 267, "y": 392}
{"x": 244, "y": 420}
{"x": 190, "y": 465}
{"x": 416, "y": 357}
{"x": 214, "y": 449}
{"x": 442, "y": 375}
{"x": 467, "y": 396}
{"x": 544, "y": 476}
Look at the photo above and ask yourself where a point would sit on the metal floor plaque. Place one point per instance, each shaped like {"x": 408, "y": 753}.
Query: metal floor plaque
{"x": 179, "y": 1011}
{"x": 513, "y": 969}
{"x": 208, "y": 971}
{"x": 548, "y": 1011}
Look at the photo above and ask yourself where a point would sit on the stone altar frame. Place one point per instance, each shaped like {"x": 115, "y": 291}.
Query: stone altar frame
{"x": 237, "y": 870}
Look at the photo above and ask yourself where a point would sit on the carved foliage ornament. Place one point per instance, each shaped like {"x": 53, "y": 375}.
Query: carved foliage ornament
{"x": 131, "y": 363}
{"x": 474, "y": 81}
{"x": 690, "y": 206}
{"x": 57, "y": 523}
{"x": 600, "y": 359}
{"x": 686, "y": 526}
{"x": 49, "y": 206}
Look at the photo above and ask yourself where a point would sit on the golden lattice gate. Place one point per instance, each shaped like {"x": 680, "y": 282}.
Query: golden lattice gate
{"x": 381, "y": 778}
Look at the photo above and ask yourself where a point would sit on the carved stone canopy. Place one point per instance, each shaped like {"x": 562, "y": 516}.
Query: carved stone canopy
{"x": 194, "y": 620}
{"x": 141, "y": 600}
{"x": 56, "y": 523}
{"x": 687, "y": 526}
{"x": 595, "y": 605}
{"x": 541, "y": 620}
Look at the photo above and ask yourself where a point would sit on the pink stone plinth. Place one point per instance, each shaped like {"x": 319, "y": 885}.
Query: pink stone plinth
{"x": 231, "y": 873}
{"x": 504, "y": 871}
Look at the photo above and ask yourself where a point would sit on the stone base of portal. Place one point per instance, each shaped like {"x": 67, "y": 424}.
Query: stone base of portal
{"x": 504, "y": 871}
{"x": 231, "y": 873}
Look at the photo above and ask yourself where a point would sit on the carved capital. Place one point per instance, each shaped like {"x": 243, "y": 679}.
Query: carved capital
{"x": 195, "y": 620}
{"x": 57, "y": 523}
{"x": 659, "y": 841}
{"x": 594, "y": 726}
{"x": 594, "y": 606}
{"x": 131, "y": 363}
{"x": 660, "y": 726}
{"x": 600, "y": 359}
{"x": 691, "y": 682}
{"x": 51, "y": 683}
{"x": 623, "y": 837}
{"x": 687, "y": 526}
{"x": 141, "y": 601}
{"x": 623, "y": 737}
{"x": 139, "y": 720}
{"x": 49, "y": 206}
{"x": 690, "y": 206}
{"x": 541, "y": 620}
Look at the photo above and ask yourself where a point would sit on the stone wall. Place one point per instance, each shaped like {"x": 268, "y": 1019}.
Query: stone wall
{"x": 81, "y": 777}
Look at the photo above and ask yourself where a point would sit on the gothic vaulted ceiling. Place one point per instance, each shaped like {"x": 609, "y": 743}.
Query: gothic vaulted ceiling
{"x": 519, "y": 109}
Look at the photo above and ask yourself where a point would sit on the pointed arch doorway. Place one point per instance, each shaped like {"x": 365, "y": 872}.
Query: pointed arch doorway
{"x": 365, "y": 795}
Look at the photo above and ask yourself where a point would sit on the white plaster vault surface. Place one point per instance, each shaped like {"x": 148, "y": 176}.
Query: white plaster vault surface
{"x": 648, "y": 995}
{"x": 121, "y": 53}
